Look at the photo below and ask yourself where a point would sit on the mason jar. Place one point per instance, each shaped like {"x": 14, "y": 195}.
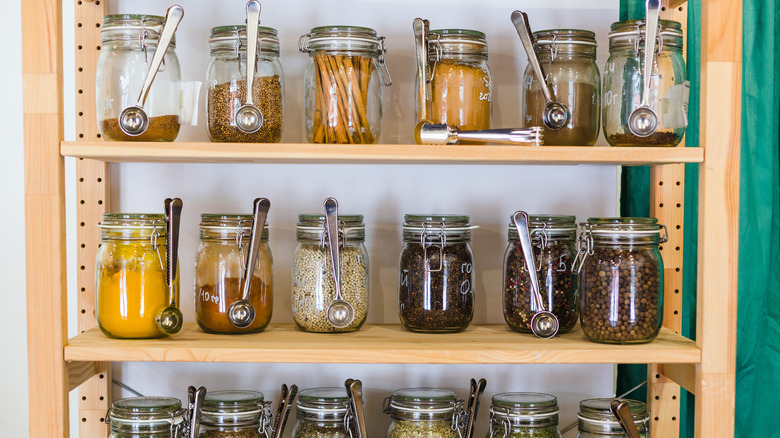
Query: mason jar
{"x": 343, "y": 84}
{"x": 436, "y": 284}
{"x": 323, "y": 413}
{"x": 460, "y": 79}
{"x": 596, "y": 420}
{"x": 621, "y": 277}
{"x": 524, "y": 415}
{"x": 568, "y": 59}
{"x": 623, "y": 84}
{"x": 220, "y": 266}
{"x": 313, "y": 287}
{"x": 130, "y": 275}
{"x": 226, "y": 85}
{"x": 235, "y": 414}
{"x": 424, "y": 412}
{"x": 128, "y": 43}
{"x": 553, "y": 243}
{"x": 152, "y": 417}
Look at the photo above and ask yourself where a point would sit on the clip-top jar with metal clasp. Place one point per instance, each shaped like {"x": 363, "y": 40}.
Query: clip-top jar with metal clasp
{"x": 136, "y": 417}
{"x": 233, "y": 414}
{"x": 128, "y": 43}
{"x": 623, "y": 84}
{"x": 524, "y": 414}
{"x": 568, "y": 59}
{"x": 343, "y": 84}
{"x": 621, "y": 279}
{"x": 428, "y": 412}
{"x": 436, "y": 283}
{"x": 460, "y": 80}
{"x": 596, "y": 420}
{"x": 220, "y": 266}
{"x": 130, "y": 275}
{"x": 313, "y": 286}
{"x": 323, "y": 413}
{"x": 553, "y": 241}
{"x": 227, "y": 85}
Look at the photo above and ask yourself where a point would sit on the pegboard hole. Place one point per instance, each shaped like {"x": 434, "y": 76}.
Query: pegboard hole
{"x": 676, "y": 248}
{"x": 100, "y": 180}
{"x": 102, "y": 376}
{"x": 674, "y": 418}
{"x": 81, "y": 135}
{"x": 98, "y": 47}
{"x": 83, "y": 267}
{"x": 663, "y": 8}
{"x": 660, "y": 247}
{"x": 82, "y": 224}
{"x": 97, "y": 24}
{"x": 101, "y": 398}
{"x": 79, "y": 25}
{"x": 98, "y": 136}
{"x": 81, "y": 179}
{"x": 81, "y": 69}
{"x": 657, "y": 398}
{"x": 83, "y": 311}
{"x": 676, "y": 269}
{"x": 83, "y": 420}
{"x": 100, "y": 202}
{"x": 677, "y": 227}
{"x": 81, "y": 202}
{"x": 661, "y": 205}
{"x": 102, "y": 419}
{"x": 81, "y": 113}
{"x": 81, "y": 91}
{"x": 83, "y": 398}
{"x": 79, "y": 47}
{"x": 657, "y": 376}
{"x": 660, "y": 183}
{"x": 677, "y": 291}
{"x": 679, "y": 205}
{"x": 674, "y": 397}
{"x": 677, "y": 183}
{"x": 680, "y": 9}
{"x": 97, "y": 2}
{"x": 83, "y": 246}
{"x": 656, "y": 418}
{"x": 676, "y": 312}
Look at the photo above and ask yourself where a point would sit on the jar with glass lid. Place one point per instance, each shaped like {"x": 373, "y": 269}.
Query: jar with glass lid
{"x": 553, "y": 243}
{"x": 227, "y": 85}
{"x": 596, "y": 420}
{"x": 621, "y": 279}
{"x": 623, "y": 84}
{"x": 131, "y": 287}
{"x": 524, "y": 415}
{"x": 128, "y": 43}
{"x": 313, "y": 285}
{"x": 235, "y": 414}
{"x": 137, "y": 417}
{"x": 568, "y": 60}
{"x": 428, "y": 412}
{"x": 343, "y": 84}
{"x": 323, "y": 413}
{"x": 220, "y": 269}
{"x": 436, "y": 283}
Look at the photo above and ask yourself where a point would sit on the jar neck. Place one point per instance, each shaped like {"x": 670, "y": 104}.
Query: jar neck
{"x": 604, "y": 427}
{"x": 629, "y": 35}
{"x": 230, "y": 41}
{"x": 351, "y": 39}
{"x": 223, "y": 227}
{"x": 508, "y": 421}
{"x": 134, "y": 227}
{"x": 323, "y": 414}
{"x": 133, "y": 30}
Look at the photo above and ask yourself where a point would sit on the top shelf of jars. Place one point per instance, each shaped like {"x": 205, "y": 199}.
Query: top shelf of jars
{"x": 207, "y": 152}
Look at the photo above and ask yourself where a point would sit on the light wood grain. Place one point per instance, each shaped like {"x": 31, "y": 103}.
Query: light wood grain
{"x": 80, "y": 372}
{"x": 683, "y": 375}
{"x": 382, "y": 153}
{"x": 378, "y": 344}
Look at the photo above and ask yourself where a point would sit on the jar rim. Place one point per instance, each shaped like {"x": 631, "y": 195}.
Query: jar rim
{"x": 326, "y": 395}
{"x": 233, "y": 398}
{"x": 318, "y": 220}
{"x": 598, "y": 409}
{"x": 565, "y": 36}
{"x": 526, "y": 402}
{"x": 133, "y": 221}
{"x": 115, "y": 17}
{"x": 424, "y": 396}
{"x": 146, "y": 409}
{"x": 632, "y": 225}
{"x": 238, "y": 32}
{"x": 445, "y": 220}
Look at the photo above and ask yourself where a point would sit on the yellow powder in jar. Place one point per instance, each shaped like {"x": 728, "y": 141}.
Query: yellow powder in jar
{"x": 460, "y": 95}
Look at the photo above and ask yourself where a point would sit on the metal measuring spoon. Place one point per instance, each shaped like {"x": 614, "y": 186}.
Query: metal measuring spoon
{"x": 196, "y": 397}
{"x": 555, "y": 114}
{"x": 421, "y": 28}
{"x": 476, "y": 390}
{"x": 170, "y": 319}
{"x": 133, "y": 120}
{"x": 643, "y": 121}
{"x": 440, "y": 133}
{"x": 340, "y": 313}
{"x": 544, "y": 324}
{"x": 241, "y": 313}
{"x": 285, "y": 403}
{"x": 355, "y": 393}
{"x": 249, "y": 118}
{"x": 623, "y": 413}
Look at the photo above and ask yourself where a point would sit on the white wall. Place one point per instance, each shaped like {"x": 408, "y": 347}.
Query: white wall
{"x": 383, "y": 193}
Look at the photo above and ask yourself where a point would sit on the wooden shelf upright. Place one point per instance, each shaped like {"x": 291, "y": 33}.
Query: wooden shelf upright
{"x": 57, "y": 364}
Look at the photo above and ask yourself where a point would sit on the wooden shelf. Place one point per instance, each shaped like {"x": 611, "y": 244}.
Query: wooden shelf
{"x": 379, "y": 344}
{"x": 205, "y": 152}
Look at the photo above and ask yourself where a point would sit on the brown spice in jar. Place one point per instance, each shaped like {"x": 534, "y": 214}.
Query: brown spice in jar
{"x": 224, "y": 100}
{"x": 659, "y": 138}
{"x": 213, "y": 301}
{"x": 460, "y": 95}
{"x": 582, "y": 128}
{"x": 161, "y": 128}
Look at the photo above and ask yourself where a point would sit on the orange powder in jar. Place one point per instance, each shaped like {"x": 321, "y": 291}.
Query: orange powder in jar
{"x": 460, "y": 95}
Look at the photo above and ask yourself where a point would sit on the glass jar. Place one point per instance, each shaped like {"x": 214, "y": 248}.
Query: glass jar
{"x": 524, "y": 415}
{"x": 596, "y": 420}
{"x": 137, "y": 417}
{"x": 552, "y": 239}
{"x": 226, "y": 84}
{"x": 623, "y": 84}
{"x": 436, "y": 285}
{"x": 323, "y": 413}
{"x": 343, "y": 84}
{"x": 128, "y": 43}
{"x": 313, "y": 288}
{"x": 424, "y": 412}
{"x": 130, "y": 275}
{"x": 460, "y": 79}
{"x": 219, "y": 273}
{"x": 235, "y": 414}
{"x": 621, "y": 279}
{"x": 568, "y": 59}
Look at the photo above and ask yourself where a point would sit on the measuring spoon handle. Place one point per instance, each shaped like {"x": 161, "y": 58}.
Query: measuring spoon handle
{"x": 331, "y": 222}
{"x": 421, "y": 27}
{"x": 520, "y": 20}
{"x": 259, "y": 214}
{"x": 172, "y": 19}
{"x": 252, "y": 22}
{"x": 652, "y": 11}
{"x": 521, "y": 224}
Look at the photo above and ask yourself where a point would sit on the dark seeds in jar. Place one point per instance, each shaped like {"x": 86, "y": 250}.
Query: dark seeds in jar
{"x": 556, "y": 280}
{"x": 224, "y": 100}
{"x": 621, "y": 295}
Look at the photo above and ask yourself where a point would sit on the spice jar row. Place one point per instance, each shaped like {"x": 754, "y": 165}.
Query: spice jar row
{"x": 609, "y": 277}
{"x": 338, "y": 412}
{"x": 139, "y": 92}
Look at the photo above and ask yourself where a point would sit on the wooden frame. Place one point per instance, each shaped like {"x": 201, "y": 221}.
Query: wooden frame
{"x": 57, "y": 364}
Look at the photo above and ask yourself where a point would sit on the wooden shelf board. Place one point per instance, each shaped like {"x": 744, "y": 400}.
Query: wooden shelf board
{"x": 283, "y": 343}
{"x": 205, "y": 152}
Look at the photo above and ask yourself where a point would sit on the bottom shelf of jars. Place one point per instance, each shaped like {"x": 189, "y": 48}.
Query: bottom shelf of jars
{"x": 380, "y": 343}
